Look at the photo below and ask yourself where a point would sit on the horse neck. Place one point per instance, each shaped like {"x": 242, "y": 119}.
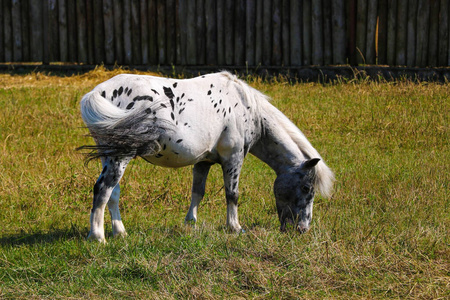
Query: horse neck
{"x": 276, "y": 147}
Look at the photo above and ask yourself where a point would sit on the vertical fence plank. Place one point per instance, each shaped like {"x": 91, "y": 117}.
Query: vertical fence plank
{"x": 177, "y": 33}
{"x": 90, "y": 31}
{"x": 127, "y": 35}
{"x": 7, "y": 31}
{"x": 276, "y": 33}
{"x": 250, "y": 39}
{"x": 401, "y": 34}
{"x": 285, "y": 33}
{"x": 36, "y": 33}
{"x": 411, "y": 33}
{"x": 371, "y": 31}
{"x": 338, "y": 31}
{"x": 108, "y": 25}
{"x": 267, "y": 33}
{"x": 317, "y": 33}
{"x": 433, "y": 40}
{"x": 118, "y": 31}
{"x": 307, "y": 48}
{"x": 211, "y": 32}
{"x": 62, "y": 23}
{"x": 152, "y": 32}
{"x": 161, "y": 25}
{"x": 136, "y": 33}
{"x": 191, "y": 49}
{"x": 81, "y": 32}
{"x": 351, "y": 32}
{"x": 361, "y": 31}
{"x": 239, "y": 33}
{"x": 259, "y": 35}
{"x": 170, "y": 32}
{"x": 72, "y": 35}
{"x": 391, "y": 38}
{"x": 327, "y": 33}
{"x": 307, "y": 44}
{"x": 443, "y": 33}
{"x": 16, "y": 30}
{"x": 423, "y": 13}
{"x": 182, "y": 30}
{"x": 220, "y": 32}
{"x": 25, "y": 31}
{"x": 229, "y": 26}
{"x": 382, "y": 32}
{"x": 99, "y": 32}
{"x": 143, "y": 9}
{"x": 200, "y": 31}
{"x": 295, "y": 31}
{"x": 54, "y": 30}
{"x": 2, "y": 44}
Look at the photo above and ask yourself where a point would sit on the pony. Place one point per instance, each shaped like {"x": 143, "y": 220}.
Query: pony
{"x": 206, "y": 120}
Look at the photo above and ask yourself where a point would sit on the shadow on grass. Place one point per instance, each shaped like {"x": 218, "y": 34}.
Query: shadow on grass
{"x": 44, "y": 237}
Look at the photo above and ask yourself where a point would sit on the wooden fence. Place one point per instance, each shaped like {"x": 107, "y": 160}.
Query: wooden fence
{"x": 226, "y": 32}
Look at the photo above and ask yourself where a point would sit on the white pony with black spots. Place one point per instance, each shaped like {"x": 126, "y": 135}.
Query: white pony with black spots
{"x": 202, "y": 121}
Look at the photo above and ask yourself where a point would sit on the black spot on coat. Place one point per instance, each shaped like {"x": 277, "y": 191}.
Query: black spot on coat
{"x": 120, "y": 90}
{"x": 129, "y": 92}
{"x": 129, "y": 106}
{"x": 168, "y": 92}
{"x": 154, "y": 91}
{"x": 175, "y": 84}
{"x": 104, "y": 94}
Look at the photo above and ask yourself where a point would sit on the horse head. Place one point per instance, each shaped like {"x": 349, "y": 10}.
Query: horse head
{"x": 294, "y": 193}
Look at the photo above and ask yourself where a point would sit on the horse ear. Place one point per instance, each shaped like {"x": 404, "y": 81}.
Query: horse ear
{"x": 310, "y": 163}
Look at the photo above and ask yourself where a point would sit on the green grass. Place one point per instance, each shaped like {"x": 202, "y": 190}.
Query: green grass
{"x": 384, "y": 233}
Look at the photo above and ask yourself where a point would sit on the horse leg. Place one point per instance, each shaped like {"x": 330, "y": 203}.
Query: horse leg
{"x": 231, "y": 170}
{"x": 200, "y": 174}
{"x": 113, "y": 205}
{"x": 103, "y": 189}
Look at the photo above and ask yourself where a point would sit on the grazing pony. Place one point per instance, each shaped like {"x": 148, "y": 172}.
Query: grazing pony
{"x": 201, "y": 121}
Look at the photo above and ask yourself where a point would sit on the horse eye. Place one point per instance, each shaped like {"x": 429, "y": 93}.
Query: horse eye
{"x": 306, "y": 189}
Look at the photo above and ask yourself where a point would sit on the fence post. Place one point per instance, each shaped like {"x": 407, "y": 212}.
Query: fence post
{"x": 372, "y": 13}
{"x": 412, "y": 33}
{"x": 443, "y": 33}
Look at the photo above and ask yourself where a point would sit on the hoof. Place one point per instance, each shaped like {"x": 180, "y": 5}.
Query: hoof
{"x": 93, "y": 238}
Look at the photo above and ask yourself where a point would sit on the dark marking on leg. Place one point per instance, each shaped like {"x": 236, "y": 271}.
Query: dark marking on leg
{"x": 120, "y": 90}
{"x": 182, "y": 96}
{"x": 172, "y": 116}
{"x": 209, "y": 92}
{"x": 115, "y": 94}
{"x": 236, "y": 104}
{"x": 181, "y": 110}
{"x": 172, "y": 104}
{"x": 129, "y": 92}
{"x": 126, "y": 90}
{"x": 129, "y": 106}
{"x": 104, "y": 94}
{"x": 163, "y": 105}
{"x": 175, "y": 84}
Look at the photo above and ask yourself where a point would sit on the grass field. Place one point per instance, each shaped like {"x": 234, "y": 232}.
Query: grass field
{"x": 385, "y": 233}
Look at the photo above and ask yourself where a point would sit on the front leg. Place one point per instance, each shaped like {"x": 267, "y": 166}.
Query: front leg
{"x": 113, "y": 171}
{"x": 200, "y": 174}
{"x": 231, "y": 171}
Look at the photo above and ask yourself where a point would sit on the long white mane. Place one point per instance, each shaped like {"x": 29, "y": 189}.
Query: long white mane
{"x": 324, "y": 176}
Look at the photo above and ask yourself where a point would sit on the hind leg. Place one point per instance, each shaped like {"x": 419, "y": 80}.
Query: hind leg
{"x": 103, "y": 189}
{"x": 200, "y": 174}
{"x": 113, "y": 205}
